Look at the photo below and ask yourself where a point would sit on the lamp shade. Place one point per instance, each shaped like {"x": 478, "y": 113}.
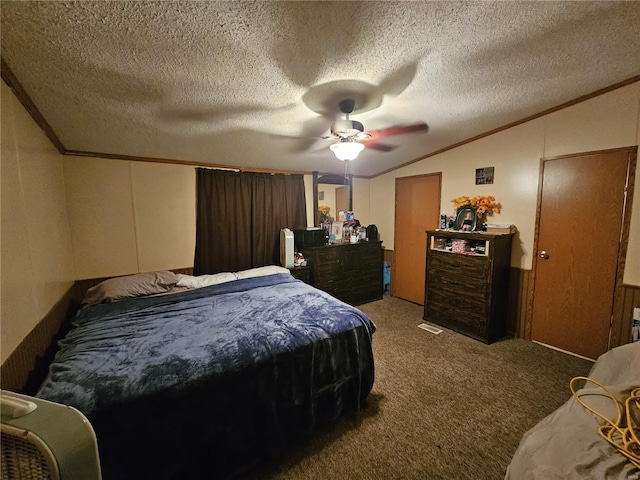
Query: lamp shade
{"x": 346, "y": 150}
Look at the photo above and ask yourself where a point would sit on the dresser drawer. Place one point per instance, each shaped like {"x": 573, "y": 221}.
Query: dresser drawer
{"x": 330, "y": 280}
{"x": 475, "y": 267}
{"x": 371, "y": 253}
{"x": 364, "y": 295}
{"x": 463, "y": 301}
{"x": 457, "y": 285}
{"x": 301, "y": 273}
{"x": 326, "y": 256}
{"x": 368, "y": 270}
{"x": 327, "y": 273}
{"x": 339, "y": 290}
{"x": 371, "y": 278}
{"x": 454, "y": 317}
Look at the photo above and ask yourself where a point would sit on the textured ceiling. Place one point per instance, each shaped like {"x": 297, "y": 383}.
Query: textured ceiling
{"x": 251, "y": 84}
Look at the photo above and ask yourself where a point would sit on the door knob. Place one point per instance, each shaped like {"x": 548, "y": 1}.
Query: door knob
{"x": 544, "y": 254}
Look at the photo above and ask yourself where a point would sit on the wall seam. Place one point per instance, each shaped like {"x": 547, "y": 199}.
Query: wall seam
{"x": 133, "y": 212}
{"x": 638, "y": 117}
{"x": 24, "y": 206}
{"x": 66, "y": 204}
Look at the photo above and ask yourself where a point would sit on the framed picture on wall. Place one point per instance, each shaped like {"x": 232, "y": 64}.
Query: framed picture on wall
{"x": 466, "y": 219}
{"x": 484, "y": 176}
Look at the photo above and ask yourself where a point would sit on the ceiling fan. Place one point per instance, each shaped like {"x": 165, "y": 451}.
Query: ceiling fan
{"x": 352, "y": 138}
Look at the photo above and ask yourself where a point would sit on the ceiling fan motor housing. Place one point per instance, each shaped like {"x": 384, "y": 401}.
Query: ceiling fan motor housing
{"x": 346, "y": 128}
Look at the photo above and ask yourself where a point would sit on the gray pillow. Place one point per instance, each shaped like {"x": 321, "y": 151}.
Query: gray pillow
{"x": 148, "y": 283}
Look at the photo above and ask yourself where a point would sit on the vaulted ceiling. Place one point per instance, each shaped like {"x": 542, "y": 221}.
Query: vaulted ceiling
{"x": 257, "y": 84}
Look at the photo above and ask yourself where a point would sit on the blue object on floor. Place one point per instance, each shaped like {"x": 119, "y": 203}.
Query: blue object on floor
{"x": 386, "y": 278}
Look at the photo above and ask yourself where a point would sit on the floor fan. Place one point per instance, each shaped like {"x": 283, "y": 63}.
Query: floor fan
{"x": 42, "y": 440}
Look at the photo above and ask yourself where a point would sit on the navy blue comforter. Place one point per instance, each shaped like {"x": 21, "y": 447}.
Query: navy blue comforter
{"x": 219, "y": 371}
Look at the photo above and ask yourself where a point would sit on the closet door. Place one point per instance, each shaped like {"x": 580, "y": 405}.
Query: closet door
{"x": 417, "y": 210}
{"x": 579, "y": 250}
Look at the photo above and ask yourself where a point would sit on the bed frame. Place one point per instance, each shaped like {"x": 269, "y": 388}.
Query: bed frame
{"x": 25, "y": 369}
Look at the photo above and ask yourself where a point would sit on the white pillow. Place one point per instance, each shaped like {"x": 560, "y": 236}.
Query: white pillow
{"x": 262, "y": 271}
{"x": 216, "y": 278}
{"x": 188, "y": 281}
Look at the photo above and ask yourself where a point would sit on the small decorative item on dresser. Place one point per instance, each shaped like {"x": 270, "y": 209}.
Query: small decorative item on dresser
{"x": 500, "y": 228}
{"x": 325, "y": 214}
{"x": 336, "y": 232}
{"x": 466, "y": 219}
{"x": 482, "y": 205}
{"x": 298, "y": 260}
{"x": 459, "y": 246}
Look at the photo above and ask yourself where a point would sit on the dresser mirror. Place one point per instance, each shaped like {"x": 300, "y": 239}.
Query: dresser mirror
{"x": 334, "y": 195}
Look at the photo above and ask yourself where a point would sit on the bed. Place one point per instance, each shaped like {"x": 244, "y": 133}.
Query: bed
{"x": 566, "y": 445}
{"x": 204, "y": 379}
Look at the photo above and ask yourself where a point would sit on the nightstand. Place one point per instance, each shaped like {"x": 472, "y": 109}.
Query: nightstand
{"x": 302, "y": 273}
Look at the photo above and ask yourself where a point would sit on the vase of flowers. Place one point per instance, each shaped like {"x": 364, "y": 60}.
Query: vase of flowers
{"x": 325, "y": 214}
{"x": 483, "y": 204}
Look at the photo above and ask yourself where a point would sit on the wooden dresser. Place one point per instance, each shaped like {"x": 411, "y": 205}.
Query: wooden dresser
{"x": 351, "y": 272}
{"x": 467, "y": 282}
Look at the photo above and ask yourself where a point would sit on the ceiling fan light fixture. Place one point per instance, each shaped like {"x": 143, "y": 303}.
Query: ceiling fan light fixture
{"x": 346, "y": 150}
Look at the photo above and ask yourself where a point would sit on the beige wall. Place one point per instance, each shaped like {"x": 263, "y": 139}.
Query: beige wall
{"x": 129, "y": 217}
{"x": 36, "y": 257}
{"x": 608, "y": 121}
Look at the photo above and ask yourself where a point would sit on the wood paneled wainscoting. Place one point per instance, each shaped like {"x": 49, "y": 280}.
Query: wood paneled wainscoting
{"x": 25, "y": 369}
{"x": 520, "y": 291}
{"x": 627, "y": 299}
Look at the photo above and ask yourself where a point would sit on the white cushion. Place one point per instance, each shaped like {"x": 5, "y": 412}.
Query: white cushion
{"x": 216, "y": 278}
{"x": 262, "y": 271}
{"x": 188, "y": 281}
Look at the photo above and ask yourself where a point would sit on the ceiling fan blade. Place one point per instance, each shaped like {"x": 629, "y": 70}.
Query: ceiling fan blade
{"x": 296, "y": 144}
{"x": 381, "y": 147}
{"x": 314, "y": 127}
{"x": 398, "y": 130}
{"x": 398, "y": 81}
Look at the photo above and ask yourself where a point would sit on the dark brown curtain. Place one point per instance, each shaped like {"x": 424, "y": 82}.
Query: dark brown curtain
{"x": 240, "y": 215}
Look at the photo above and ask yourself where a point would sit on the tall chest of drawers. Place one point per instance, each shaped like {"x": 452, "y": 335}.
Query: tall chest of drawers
{"x": 351, "y": 272}
{"x": 467, "y": 282}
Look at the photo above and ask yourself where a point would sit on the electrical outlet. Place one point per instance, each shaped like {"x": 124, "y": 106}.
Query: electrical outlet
{"x": 636, "y": 313}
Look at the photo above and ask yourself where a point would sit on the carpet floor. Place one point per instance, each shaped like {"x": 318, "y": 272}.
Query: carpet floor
{"x": 442, "y": 407}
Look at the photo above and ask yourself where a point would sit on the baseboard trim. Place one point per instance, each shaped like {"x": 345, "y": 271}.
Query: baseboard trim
{"x": 564, "y": 351}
